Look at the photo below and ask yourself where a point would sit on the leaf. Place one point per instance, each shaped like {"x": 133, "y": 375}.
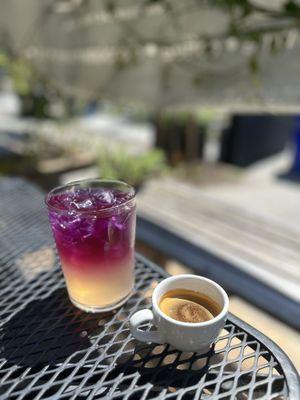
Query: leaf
{"x": 110, "y": 6}
{"x": 292, "y": 7}
{"x": 254, "y": 64}
{"x": 197, "y": 79}
{"x": 3, "y": 60}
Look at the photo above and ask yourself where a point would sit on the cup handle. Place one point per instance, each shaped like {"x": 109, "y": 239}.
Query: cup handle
{"x": 141, "y": 317}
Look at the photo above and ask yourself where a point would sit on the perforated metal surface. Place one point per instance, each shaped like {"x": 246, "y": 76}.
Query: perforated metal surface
{"x": 49, "y": 349}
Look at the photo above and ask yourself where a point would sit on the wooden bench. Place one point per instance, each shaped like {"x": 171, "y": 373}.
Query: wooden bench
{"x": 252, "y": 256}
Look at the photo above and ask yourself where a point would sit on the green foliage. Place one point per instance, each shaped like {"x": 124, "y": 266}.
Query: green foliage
{"x": 254, "y": 64}
{"x": 134, "y": 169}
{"x": 292, "y": 7}
{"x": 248, "y": 22}
{"x": 110, "y": 6}
{"x": 19, "y": 70}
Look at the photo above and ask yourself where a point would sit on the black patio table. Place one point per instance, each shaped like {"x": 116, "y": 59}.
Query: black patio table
{"x": 51, "y": 350}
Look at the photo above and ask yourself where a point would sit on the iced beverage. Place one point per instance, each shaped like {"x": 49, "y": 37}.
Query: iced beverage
{"x": 93, "y": 223}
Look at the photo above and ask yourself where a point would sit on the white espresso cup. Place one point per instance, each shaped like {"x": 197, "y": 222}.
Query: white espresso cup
{"x": 184, "y": 336}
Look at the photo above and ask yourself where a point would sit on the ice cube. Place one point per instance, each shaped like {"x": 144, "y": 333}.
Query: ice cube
{"x": 122, "y": 197}
{"x": 104, "y": 198}
{"x": 118, "y": 222}
{"x": 85, "y": 204}
{"x": 114, "y": 233}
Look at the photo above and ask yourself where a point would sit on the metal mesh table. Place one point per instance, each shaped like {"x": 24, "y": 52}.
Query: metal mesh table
{"x": 51, "y": 350}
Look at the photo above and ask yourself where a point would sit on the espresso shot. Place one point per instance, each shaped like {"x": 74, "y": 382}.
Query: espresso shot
{"x": 188, "y": 306}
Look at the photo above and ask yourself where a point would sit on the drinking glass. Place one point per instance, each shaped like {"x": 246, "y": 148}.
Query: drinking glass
{"x": 93, "y": 223}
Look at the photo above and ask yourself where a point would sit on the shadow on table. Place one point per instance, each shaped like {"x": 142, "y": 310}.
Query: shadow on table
{"x": 170, "y": 369}
{"x": 160, "y": 368}
{"x": 51, "y": 332}
{"x": 46, "y": 332}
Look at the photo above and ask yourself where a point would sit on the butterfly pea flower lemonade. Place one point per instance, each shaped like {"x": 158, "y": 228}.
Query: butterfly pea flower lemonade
{"x": 93, "y": 223}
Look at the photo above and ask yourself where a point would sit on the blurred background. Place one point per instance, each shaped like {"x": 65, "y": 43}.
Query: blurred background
{"x": 196, "y": 104}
